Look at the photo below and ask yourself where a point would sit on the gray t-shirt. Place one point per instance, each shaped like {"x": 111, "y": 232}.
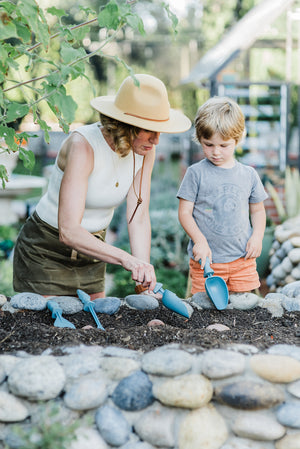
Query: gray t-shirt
{"x": 221, "y": 200}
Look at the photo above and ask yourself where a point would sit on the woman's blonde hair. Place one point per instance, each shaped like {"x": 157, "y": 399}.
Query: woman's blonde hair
{"x": 220, "y": 115}
{"x": 121, "y": 133}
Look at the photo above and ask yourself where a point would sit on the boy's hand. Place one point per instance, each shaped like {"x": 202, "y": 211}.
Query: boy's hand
{"x": 202, "y": 251}
{"x": 253, "y": 247}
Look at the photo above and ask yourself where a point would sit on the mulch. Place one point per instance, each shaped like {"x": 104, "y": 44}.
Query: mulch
{"x": 33, "y": 332}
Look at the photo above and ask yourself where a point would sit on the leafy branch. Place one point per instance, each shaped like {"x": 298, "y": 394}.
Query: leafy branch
{"x": 26, "y": 46}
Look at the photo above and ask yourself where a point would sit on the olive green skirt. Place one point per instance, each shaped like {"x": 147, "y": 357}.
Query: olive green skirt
{"x": 44, "y": 265}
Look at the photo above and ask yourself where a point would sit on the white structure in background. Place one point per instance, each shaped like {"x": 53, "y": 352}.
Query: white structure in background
{"x": 10, "y": 208}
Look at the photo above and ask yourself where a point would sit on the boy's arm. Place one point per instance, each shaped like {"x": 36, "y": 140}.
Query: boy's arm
{"x": 258, "y": 221}
{"x": 201, "y": 250}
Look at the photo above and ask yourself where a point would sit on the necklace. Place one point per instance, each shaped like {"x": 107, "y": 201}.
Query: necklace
{"x": 116, "y": 168}
{"x": 113, "y": 155}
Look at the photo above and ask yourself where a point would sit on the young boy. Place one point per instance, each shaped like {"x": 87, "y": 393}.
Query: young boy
{"x": 215, "y": 198}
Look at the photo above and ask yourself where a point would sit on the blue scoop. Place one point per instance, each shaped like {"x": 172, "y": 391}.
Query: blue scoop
{"x": 171, "y": 301}
{"x": 215, "y": 287}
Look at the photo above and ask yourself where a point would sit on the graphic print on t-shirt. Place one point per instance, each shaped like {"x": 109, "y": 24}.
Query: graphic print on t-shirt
{"x": 226, "y": 215}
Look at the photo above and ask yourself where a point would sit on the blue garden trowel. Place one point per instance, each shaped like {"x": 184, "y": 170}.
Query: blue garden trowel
{"x": 171, "y": 301}
{"x": 215, "y": 287}
{"x": 88, "y": 306}
{"x": 57, "y": 314}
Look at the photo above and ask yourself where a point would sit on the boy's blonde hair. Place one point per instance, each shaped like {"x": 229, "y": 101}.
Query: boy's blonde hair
{"x": 220, "y": 115}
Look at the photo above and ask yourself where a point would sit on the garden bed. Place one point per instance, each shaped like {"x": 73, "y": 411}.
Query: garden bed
{"x": 33, "y": 332}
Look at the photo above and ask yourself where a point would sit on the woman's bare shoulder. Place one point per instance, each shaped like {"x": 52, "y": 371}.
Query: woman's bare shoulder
{"x": 75, "y": 144}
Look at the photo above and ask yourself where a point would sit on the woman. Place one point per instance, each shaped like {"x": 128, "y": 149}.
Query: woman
{"x": 62, "y": 247}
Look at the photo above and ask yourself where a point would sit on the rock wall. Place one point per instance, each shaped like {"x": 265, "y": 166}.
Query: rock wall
{"x": 285, "y": 255}
{"x": 171, "y": 397}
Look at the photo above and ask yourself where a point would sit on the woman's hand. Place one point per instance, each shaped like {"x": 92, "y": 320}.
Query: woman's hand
{"x": 141, "y": 272}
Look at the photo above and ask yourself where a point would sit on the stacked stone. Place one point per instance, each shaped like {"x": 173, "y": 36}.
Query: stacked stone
{"x": 285, "y": 255}
{"x": 171, "y": 397}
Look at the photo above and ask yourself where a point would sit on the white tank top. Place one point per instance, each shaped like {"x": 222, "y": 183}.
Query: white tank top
{"x": 108, "y": 183}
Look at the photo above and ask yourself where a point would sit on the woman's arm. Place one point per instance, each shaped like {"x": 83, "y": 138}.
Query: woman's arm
{"x": 77, "y": 161}
{"x": 201, "y": 250}
{"x": 139, "y": 229}
{"x": 258, "y": 221}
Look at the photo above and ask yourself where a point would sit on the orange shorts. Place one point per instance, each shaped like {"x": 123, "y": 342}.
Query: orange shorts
{"x": 239, "y": 275}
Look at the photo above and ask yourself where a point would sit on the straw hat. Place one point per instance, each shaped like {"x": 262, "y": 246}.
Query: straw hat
{"x": 145, "y": 106}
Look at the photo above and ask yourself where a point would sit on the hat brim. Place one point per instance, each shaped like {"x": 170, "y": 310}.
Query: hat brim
{"x": 177, "y": 122}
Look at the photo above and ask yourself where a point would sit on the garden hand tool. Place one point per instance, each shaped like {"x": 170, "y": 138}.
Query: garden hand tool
{"x": 57, "y": 313}
{"x": 88, "y": 306}
{"x": 215, "y": 287}
{"x": 171, "y": 301}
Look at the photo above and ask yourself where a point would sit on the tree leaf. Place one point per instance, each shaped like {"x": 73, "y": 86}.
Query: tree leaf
{"x": 136, "y": 23}
{"x": 3, "y": 175}
{"x": 9, "y": 136}
{"x": 172, "y": 17}
{"x": 44, "y": 127}
{"x": 23, "y": 32}
{"x": 16, "y": 110}
{"x": 70, "y": 54}
{"x": 56, "y": 12}
{"x": 109, "y": 17}
{"x": 8, "y": 6}
{"x": 31, "y": 13}
{"x": 28, "y": 157}
{"x": 62, "y": 104}
{"x": 7, "y": 30}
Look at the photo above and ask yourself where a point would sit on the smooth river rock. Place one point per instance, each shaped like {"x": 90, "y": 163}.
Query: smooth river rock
{"x": 189, "y": 391}
{"x": 291, "y": 441}
{"x": 133, "y": 392}
{"x": 276, "y": 368}
{"x": 157, "y": 426}
{"x": 202, "y": 428}
{"x": 112, "y": 425}
{"x": 86, "y": 393}
{"x": 288, "y": 414}
{"x": 166, "y": 362}
{"x": 249, "y": 395}
{"x": 11, "y": 409}
{"x": 257, "y": 426}
{"x": 37, "y": 378}
{"x": 218, "y": 363}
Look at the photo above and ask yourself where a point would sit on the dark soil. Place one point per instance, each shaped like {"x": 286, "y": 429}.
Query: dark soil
{"x": 33, "y": 332}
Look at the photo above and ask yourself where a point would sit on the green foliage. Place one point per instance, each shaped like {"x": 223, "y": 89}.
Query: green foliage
{"x": 169, "y": 240}
{"x": 123, "y": 285}
{"x": 49, "y": 433}
{"x": 172, "y": 279}
{"x": 6, "y": 278}
{"x": 28, "y": 37}
{"x": 8, "y": 235}
{"x": 8, "y": 232}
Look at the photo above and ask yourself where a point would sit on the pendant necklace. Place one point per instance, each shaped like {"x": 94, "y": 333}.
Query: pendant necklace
{"x": 116, "y": 165}
{"x": 115, "y": 168}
